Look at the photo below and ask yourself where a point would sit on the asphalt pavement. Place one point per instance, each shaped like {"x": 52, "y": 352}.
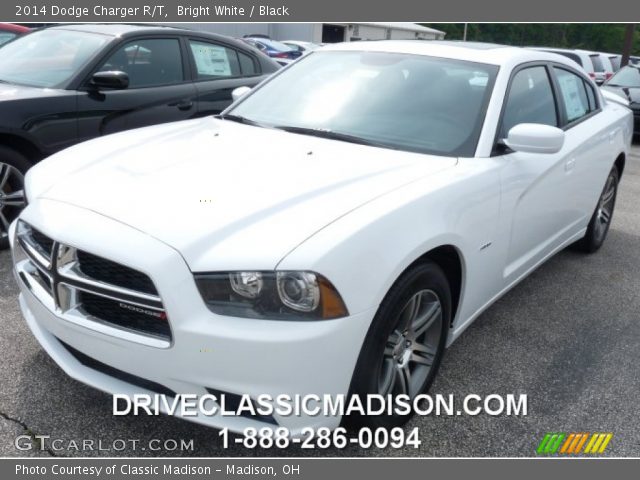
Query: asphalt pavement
{"x": 568, "y": 336}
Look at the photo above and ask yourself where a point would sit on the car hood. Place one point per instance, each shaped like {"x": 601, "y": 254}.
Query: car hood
{"x": 630, "y": 94}
{"x": 10, "y": 91}
{"x": 225, "y": 195}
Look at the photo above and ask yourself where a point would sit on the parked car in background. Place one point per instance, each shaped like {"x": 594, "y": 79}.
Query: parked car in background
{"x": 273, "y": 48}
{"x": 616, "y": 61}
{"x": 369, "y": 202}
{"x": 66, "y": 84}
{"x": 304, "y": 47}
{"x": 626, "y": 84}
{"x": 9, "y": 31}
{"x": 589, "y": 61}
{"x": 602, "y": 66}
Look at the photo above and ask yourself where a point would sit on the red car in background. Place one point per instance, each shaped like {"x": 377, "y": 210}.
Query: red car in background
{"x": 9, "y": 31}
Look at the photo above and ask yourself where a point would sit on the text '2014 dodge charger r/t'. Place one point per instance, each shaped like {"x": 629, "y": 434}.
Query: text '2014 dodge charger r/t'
{"x": 331, "y": 233}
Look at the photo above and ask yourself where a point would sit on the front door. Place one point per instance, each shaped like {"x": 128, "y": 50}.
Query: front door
{"x": 159, "y": 89}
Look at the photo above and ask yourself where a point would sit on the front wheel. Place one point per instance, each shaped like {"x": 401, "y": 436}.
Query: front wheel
{"x": 405, "y": 343}
{"x": 602, "y": 216}
{"x": 13, "y": 166}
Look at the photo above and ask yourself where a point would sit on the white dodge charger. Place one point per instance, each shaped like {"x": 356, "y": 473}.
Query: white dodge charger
{"x": 330, "y": 233}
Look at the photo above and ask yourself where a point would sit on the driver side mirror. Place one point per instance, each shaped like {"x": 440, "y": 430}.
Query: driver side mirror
{"x": 239, "y": 92}
{"x": 114, "y": 80}
{"x": 535, "y": 138}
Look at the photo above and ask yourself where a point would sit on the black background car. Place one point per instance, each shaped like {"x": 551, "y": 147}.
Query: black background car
{"x": 626, "y": 83}
{"x": 66, "y": 84}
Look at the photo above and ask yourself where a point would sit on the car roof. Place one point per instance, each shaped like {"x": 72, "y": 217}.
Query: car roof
{"x": 488, "y": 53}
{"x": 128, "y": 29}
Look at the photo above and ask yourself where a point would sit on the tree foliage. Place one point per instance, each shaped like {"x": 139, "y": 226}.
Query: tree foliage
{"x": 602, "y": 37}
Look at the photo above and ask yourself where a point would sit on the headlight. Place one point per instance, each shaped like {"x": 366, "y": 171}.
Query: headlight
{"x": 286, "y": 295}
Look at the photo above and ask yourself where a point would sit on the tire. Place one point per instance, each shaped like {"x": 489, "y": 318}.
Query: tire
{"x": 13, "y": 166}
{"x": 602, "y": 216}
{"x": 379, "y": 369}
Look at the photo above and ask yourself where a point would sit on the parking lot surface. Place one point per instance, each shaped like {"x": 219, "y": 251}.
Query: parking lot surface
{"x": 568, "y": 336}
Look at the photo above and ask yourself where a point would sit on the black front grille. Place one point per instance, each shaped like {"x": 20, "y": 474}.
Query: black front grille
{"x": 113, "y": 273}
{"x": 123, "y": 314}
{"x": 94, "y": 364}
{"x": 42, "y": 242}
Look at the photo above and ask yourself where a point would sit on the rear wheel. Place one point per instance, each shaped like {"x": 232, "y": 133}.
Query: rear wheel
{"x": 13, "y": 166}
{"x": 602, "y": 216}
{"x": 405, "y": 343}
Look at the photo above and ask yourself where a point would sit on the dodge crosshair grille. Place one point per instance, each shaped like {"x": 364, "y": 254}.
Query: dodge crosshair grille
{"x": 85, "y": 288}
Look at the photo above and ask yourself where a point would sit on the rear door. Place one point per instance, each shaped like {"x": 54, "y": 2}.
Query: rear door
{"x": 587, "y": 142}
{"x": 218, "y": 69}
{"x": 160, "y": 89}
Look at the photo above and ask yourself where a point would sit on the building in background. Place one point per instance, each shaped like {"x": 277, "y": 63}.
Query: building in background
{"x": 323, "y": 32}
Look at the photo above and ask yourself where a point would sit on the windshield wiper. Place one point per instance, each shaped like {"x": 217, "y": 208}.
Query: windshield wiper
{"x": 330, "y": 134}
{"x": 240, "y": 119}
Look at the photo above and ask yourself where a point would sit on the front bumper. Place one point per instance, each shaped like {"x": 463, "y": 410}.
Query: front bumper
{"x": 207, "y": 351}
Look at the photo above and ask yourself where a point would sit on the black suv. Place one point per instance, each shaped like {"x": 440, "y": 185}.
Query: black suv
{"x": 69, "y": 83}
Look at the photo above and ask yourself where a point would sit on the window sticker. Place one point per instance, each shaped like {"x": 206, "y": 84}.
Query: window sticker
{"x": 570, "y": 86}
{"x": 211, "y": 60}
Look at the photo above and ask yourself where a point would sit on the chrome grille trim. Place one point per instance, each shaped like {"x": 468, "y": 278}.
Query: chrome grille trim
{"x": 33, "y": 252}
{"x": 66, "y": 281}
{"x": 68, "y": 267}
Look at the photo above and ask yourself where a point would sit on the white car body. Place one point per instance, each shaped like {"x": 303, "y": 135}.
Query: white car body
{"x": 210, "y": 195}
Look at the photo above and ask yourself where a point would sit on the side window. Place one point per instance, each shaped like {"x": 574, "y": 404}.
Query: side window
{"x": 214, "y": 61}
{"x": 530, "y": 100}
{"x": 573, "y": 94}
{"x": 247, "y": 65}
{"x": 593, "y": 105}
{"x": 148, "y": 63}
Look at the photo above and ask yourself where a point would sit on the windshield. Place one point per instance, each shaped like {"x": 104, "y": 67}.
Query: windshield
{"x": 615, "y": 62}
{"x": 47, "y": 58}
{"x": 626, "y": 77}
{"x": 407, "y": 102}
{"x": 597, "y": 63}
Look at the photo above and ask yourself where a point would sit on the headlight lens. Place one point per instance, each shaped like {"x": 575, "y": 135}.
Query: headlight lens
{"x": 299, "y": 290}
{"x": 286, "y": 295}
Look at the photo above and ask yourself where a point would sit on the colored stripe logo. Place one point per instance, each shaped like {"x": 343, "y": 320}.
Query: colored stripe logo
{"x": 574, "y": 443}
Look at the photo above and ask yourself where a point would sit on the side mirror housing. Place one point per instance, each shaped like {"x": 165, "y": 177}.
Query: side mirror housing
{"x": 535, "y": 138}
{"x": 239, "y": 92}
{"x": 114, "y": 80}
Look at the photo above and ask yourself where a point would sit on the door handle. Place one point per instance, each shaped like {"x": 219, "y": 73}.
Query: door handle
{"x": 182, "y": 105}
{"x": 569, "y": 165}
